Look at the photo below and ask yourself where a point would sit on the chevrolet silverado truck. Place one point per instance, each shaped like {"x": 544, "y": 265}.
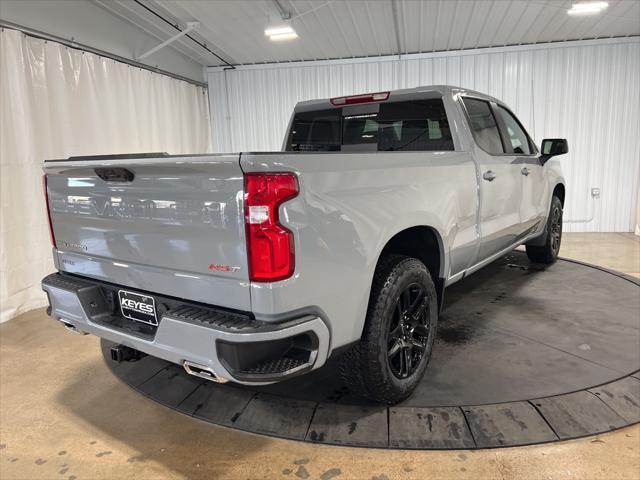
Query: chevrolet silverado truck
{"x": 255, "y": 267}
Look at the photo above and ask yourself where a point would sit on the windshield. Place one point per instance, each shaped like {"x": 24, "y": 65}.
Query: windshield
{"x": 415, "y": 125}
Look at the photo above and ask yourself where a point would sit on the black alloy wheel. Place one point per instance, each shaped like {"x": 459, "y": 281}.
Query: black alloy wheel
{"x": 547, "y": 252}
{"x": 390, "y": 359}
{"x": 408, "y": 331}
{"x": 556, "y": 228}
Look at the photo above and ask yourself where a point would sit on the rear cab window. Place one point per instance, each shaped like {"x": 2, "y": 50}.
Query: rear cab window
{"x": 407, "y": 125}
{"x": 318, "y": 130}
{"x": 483, "y": 125}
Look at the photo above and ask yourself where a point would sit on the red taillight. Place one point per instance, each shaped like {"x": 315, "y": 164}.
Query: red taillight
{"x": 46, "y": 201}
{"x": 269, "y": 244}
{"x": 364, "y": 98}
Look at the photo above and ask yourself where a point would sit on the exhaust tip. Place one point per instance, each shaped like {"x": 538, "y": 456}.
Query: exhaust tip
{"x": 202, "y": 371}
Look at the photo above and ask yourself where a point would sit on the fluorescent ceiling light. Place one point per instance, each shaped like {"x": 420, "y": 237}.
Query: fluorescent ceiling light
{"x": 280, "y": 30}
{"x": 587, "y": 8}
{"x": 283, "y": 36}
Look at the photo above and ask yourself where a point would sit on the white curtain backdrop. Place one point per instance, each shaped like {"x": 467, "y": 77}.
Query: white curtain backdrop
{"x": 585, "y": 91}
{"x": 56, "y": 102}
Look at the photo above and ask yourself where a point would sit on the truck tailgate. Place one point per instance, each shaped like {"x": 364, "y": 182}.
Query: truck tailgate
{"x": 173, "y": 227}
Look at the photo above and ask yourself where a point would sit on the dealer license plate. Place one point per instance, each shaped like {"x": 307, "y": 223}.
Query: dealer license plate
{"x": 140, "y": 308}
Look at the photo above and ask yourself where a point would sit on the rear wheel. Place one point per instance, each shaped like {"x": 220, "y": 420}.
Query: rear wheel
{"x": 393, "y": 353}
{"x": 548, "y": 253}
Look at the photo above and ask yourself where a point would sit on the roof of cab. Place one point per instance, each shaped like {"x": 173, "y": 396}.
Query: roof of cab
{"x": 448, "y": 90}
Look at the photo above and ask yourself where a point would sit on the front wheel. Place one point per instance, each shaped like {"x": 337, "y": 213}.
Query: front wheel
{"x": 548, "y": 253}
{"x": 400, "y": 328}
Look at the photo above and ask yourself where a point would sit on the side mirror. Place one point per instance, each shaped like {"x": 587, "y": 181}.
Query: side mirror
{"x": 552, "y": 147}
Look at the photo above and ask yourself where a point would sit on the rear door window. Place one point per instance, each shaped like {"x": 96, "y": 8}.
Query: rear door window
{"x": 483, "y": 125}
{"x": 415, "y": 125}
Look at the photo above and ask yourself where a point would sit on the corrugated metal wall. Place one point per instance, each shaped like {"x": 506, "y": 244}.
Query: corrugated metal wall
{"x": 588, "y": 92}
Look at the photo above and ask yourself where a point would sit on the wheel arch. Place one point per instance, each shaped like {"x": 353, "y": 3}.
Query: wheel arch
{"x": 559, "y": 191}
{"x": 424, "y": 243}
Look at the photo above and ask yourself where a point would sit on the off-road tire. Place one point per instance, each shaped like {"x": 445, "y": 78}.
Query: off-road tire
{"x": 548, "y": 253}
{"x": 365, "y": 368}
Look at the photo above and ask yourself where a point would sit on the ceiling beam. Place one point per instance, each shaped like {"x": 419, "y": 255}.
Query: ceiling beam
{"x": 190, "y": 26}
{"x": 190, "y": 37}
{"x": 284, "y": 14}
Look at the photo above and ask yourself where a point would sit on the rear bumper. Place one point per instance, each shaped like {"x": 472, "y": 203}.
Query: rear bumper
{"x": 231, "y": 345}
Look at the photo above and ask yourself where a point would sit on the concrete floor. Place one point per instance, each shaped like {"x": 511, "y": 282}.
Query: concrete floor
{"x": 617, "y": 251}
{"x": 64, "y": 415}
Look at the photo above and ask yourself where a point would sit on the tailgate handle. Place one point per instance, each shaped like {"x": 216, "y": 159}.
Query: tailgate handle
{"x": 115, "y": 174}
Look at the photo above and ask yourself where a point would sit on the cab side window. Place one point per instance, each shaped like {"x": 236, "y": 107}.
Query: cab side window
{"x": 514, "y": 134}
{"x": 483, "y": 125}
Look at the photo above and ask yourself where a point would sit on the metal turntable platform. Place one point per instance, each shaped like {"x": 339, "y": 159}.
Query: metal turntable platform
{"x": 524, "y": 355}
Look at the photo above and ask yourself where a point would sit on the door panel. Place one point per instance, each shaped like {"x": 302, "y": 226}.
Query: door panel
{"x": 500, "y": 182}
{"x": 500, "y": 200}
{"x": 519, "y": 144}
{"x": 533, "y": 208}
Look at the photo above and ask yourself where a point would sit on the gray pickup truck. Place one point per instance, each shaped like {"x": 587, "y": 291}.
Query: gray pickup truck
{"x": 256, "y": 267}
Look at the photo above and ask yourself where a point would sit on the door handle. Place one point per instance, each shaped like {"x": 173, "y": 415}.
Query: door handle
{"x": 524, "y": 171}
{"x": 489, "y": 176}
